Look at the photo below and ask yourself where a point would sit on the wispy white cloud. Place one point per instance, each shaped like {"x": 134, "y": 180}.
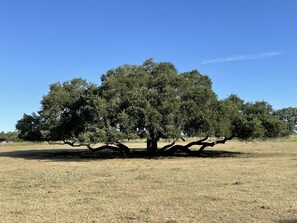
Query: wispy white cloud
{"x": 242, "y": 57}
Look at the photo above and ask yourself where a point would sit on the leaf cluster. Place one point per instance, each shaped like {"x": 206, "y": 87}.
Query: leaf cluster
{"x": 150, "y": 101}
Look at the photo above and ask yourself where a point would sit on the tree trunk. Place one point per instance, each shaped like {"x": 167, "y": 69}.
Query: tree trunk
{"x": 152, "y": 146}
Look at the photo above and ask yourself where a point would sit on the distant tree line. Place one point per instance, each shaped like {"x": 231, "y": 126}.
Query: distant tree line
{"x": 289, "y": 117}
{"x": 151, "y": 101}
{"x": 9, "y": 137}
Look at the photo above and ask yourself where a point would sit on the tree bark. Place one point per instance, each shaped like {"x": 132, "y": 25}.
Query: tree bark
{"x": 204, "y": 145}
{"x": 123, "y": 149}
{"x": 152, "y": 146}
{"x": 171, "y": 148}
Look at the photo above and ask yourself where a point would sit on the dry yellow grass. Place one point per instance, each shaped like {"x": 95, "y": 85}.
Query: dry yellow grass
{"x": 251, "y": 182}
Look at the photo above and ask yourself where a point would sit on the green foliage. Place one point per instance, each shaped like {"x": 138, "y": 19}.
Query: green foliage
{"x": 289, "y": 117}
{"x": 154, "y": 101}
{"x": 29, "y": 127}
{"x": 2, "y": 136}
{"x": 9, "y": 136}
{"x": 149, "y": 101}
{"x": 230, "y": 118}
{"x": 269, "y": 126}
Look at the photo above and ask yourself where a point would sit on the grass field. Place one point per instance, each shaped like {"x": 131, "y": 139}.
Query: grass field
{"x": 236, "y": 182}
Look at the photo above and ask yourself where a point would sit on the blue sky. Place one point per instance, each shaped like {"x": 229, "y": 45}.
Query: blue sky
{"x": 247, "y": 47}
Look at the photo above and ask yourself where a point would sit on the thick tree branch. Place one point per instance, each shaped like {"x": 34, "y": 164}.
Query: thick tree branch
{"x": 199, "y": 142}
{"x": 171, "y": 148}
{"x": 123, "y": 147}
{"x": 95, "y": 149}
{"x": 224, "y": 140}
{"x": 170, "y": 145}
{"x": 118, "y": 146}
{"x": 167, "y": 146}
{"x": 206, "y": 144}
{"x": 174, "y": 148}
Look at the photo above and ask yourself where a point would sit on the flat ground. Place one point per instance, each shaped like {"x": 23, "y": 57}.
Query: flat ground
{"x": 235, "y": 182}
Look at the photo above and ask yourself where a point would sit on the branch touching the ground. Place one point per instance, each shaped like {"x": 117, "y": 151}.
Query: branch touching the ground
{"x": 206, "y": 144}
{"x": 211, "y": 144}
{"x": 199, "y": 142}
{"x": 123, "y": 147}
{"x": 171, "y": 148}
{"x": 120, "y": 147}
{"x": 167, "y": 146}
{"x": 170, "y": 145}
{"x": 95, "y": 149}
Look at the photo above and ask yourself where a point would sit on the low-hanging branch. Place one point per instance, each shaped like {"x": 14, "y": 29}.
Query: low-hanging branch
{"x": 120, "y": 147}
{"x": 171, "y": 148}
{"x": 170, "y": 145}
{"x": 64, "y": 142}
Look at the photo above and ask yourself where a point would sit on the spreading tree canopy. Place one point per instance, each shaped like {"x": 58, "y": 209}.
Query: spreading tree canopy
{"x": 151, "y": 101}
{"x": 289, "y": 117}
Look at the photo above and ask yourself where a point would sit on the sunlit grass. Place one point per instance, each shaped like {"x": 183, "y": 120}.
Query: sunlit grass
{"x": 256, "y": 183}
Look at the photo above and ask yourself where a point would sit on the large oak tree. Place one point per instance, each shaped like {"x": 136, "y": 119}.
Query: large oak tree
{"x": 151, "y": 101}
